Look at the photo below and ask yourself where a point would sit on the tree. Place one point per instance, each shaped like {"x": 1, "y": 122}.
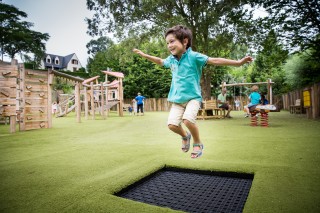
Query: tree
{"x": 296, "y": 21}
{"x": 301, "y": 71}
{"x": 16, "y": 36}
{"x": 215, "y": 24}
{"x": 99, "y": 45}
{"x": 269, "y": 63}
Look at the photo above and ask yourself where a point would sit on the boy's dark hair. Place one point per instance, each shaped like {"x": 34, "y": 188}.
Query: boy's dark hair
{"x": 181, "y": 32}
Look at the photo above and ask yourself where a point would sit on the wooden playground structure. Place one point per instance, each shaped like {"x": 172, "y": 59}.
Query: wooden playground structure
{"x": 26, "y": 96}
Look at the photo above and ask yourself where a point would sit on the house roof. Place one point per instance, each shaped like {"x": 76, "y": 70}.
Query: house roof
{"x": 64, "y": 60}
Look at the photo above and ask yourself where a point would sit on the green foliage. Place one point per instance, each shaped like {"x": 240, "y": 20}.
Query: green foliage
{"x": 61, "y": 84}
{"x": 296, "y": 21}
{"x": 268, "y": 64}
{"x": 99, "y": 45}
{"x": 16, "y": 36}
{"x": 301, "y": 70}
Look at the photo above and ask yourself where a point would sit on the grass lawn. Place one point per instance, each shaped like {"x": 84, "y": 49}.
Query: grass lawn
{"x": 77, "y": 167}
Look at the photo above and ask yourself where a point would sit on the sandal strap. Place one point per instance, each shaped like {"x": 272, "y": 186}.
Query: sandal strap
{"x": 187, "y": 137}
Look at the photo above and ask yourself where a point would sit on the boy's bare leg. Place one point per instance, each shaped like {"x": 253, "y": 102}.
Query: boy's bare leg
{"x": 193, "y": 128}
{"x": 178, "y": 130}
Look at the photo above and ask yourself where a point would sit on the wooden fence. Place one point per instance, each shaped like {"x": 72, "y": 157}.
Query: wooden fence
{"x": 313, "y": 91}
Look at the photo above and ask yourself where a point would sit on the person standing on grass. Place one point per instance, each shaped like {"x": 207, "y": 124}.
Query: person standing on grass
{"x": 139, "y": 100}
{"x": 237, "y": 104}
{"x": 222, "y": 102}
{"x": 185, "y": 92}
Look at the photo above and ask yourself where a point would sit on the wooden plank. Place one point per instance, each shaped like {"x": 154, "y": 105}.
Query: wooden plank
{"x": 8, "y": 82}
{"x": 36, "y": 73}
{"x": 7, "y": 101}
{"x": 40, "y": 81}
{"x": 8, "y": 72}
{"x": 35, "y": 110}
{"x": 36, "y": 117}
{"x": 35, "y": 125}
{"x": 36, "y": 102}
{"x": 36, "y": 95}
{"x": 36, "y": 87}
{"x": 7, "y": 110}
{"x": 13, "y": 123}
{"x": 7, "y": 92}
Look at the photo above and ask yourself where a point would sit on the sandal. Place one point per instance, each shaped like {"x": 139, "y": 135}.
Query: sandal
{"x": 186, "y": 147}
{"x": 198, "y": 153}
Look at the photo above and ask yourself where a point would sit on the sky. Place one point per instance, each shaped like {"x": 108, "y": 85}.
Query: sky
{"x": 63, "y": 20}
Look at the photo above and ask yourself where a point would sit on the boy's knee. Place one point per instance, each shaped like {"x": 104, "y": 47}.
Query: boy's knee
{"x": 171, "y": 126}
{"x": 187, "y": 122}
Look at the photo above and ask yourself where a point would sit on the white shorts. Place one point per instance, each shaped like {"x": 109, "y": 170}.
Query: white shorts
{"x": 186, "y": 111}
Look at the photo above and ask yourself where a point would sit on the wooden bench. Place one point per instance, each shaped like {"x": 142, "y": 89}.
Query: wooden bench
{"x": 211, "y": 110}
{"x": 296, "y": 108}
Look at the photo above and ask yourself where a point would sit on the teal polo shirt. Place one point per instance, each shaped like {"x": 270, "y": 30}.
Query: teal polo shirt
{"x": 186, "y": 75}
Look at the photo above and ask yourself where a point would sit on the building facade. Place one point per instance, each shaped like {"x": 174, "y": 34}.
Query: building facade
{"x": 64, "y": 63}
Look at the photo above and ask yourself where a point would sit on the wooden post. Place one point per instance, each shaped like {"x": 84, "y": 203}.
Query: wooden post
{"x": 77, "y": 102}
{"x": 22, "y": 123}
{"x": 49, "y": 114}
{"x": 86, "y": 107}
{"x": 102, "y": 101}
{"x": 107, "y": 95}
{"x": 92, "y": 101}
{"x": 270, "y": 90}
{"x": 13, "y": 123}
{"x": 315, "y": 101}
{"x": 120, "y": 95}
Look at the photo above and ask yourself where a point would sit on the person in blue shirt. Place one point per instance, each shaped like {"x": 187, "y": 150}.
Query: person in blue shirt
{"x": 185, "y": 92}
{"x": 139, "y": 100}
{"x": 264, "y": 101}
{"x": 254, "y": 99}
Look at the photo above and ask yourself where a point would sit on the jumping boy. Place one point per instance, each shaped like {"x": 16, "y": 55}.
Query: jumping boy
{"x": 185, "y": 92}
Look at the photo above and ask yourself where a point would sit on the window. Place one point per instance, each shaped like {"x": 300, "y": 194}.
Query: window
{"x": 74, "y": 61}
{"x": 56, "y": 60}
{"x": 74, "y": 69}
{"x": 48, "y": 59}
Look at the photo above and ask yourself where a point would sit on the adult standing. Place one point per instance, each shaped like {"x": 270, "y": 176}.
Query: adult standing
{"x": 222, "y": 102}
{"x": 139, "y": 100}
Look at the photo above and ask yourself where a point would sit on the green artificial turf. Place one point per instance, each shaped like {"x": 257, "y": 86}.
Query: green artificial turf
{"x": 77, "y": 167}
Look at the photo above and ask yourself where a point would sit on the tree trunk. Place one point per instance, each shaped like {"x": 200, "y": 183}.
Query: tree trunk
{"x": 205, "y": 84}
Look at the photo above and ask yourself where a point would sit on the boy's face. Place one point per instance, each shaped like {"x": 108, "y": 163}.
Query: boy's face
{"x": 175, "y": 46}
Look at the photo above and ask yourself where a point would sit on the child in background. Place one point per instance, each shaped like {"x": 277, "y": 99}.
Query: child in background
{"x": 130, "y": 110}
{"x": 185, "y": 92}
{"x": 254, "y": 99}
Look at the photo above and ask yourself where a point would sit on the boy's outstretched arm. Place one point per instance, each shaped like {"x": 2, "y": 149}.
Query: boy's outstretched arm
{"x": 151, "y": 58}
{"x": 229, "y": 62}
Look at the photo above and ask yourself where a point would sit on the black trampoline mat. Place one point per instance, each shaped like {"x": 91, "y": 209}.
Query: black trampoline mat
{"x": 192, "y": 191}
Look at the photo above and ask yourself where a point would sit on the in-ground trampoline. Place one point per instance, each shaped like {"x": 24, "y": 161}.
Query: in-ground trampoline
{"x": 192, "y": 191}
